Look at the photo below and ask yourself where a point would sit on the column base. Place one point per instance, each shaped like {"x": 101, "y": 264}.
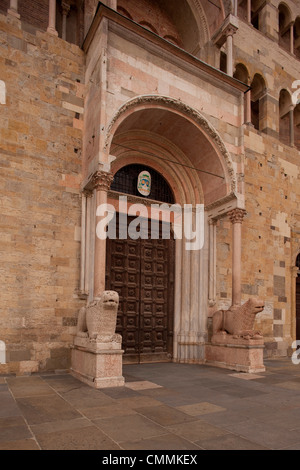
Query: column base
{"x": 13, "y": 13}
{"x": 190, "y": 349}
{"x": 52, "y": 31}
{"x": 242, "y": 355}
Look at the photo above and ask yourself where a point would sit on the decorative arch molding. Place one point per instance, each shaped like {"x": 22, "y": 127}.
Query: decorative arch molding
{"x": 201, "y": 19}
{"x": 191, "y": 114}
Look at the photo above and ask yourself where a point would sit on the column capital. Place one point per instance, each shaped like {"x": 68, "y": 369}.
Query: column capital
{"x": 101, "y": 180}
{"x": 65, "y": 8}
{"x": 295, "y": 271}
{"x": 230, "y": 31}
{"x": 228, "y": 28}
{"x": 212, "y": 221}
{"x": 87, "y": 193}
{"x": 236, "y": 216}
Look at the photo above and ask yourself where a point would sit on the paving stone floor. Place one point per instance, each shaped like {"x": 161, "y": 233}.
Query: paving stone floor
{"x": 161, "y": 407}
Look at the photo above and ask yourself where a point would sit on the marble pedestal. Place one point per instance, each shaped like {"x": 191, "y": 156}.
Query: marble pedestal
{"x": 242, "y": 355}
{"x": 98, "y": 363}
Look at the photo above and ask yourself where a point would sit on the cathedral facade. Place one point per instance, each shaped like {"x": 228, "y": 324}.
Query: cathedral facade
{"x": 126, "y": 111}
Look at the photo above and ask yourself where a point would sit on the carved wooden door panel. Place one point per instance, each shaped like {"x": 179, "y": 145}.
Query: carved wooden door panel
{"x": 298, "y": 308}
{"x": 142, "y": 272}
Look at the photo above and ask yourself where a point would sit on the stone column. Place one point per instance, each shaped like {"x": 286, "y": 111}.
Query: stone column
{"x": 212, "y": 263}
{"x": 229, "y": 48}
{"x": 235, "y": 7}
{"x": 85, "y": 255}
{"x": 236, "y": 217}
{"x": 248, "y": 104}
{"x": 13, "y": 8}
{"x": 292, "y": 38}
{"x": 249, "y": 11}
{"x": 83, "y": 241}
{"x": 295, "y": 273}
{"x": 52, "y": 18}
{"x": 292, "y": 131}
{"x": 101, "y": 182}
{"x": 65, "y": 11}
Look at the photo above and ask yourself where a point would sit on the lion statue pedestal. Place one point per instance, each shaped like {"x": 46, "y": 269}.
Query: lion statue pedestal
{"x": 235, "y": 344}
{"x": 97, "y": 352}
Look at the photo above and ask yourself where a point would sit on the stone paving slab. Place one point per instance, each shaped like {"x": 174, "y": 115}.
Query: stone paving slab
{"x": 22, "y": 444}
{"x": 87, "y": 438}
{"x": 203, "y": 408}
{"x": 161, "y": 407}
{"x": 229, "y": 442}
{"x": 163, "y": 442}
{"x": 130, "y": 427}
{"x": 42, "y": 409}
{"x": 28, "y": 386}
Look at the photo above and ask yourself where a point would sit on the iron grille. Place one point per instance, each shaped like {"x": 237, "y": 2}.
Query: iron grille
{"x": 125, "y": 181}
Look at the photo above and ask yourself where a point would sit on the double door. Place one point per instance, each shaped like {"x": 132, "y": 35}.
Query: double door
{"x": 142, "y": 272}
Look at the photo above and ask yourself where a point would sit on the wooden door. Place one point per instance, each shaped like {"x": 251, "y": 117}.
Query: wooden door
{"x": 142, "y": 272}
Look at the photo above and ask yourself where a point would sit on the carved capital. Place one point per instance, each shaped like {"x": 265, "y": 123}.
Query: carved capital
{"x": 101, "y": 180}
{"x": 295, "y": 271}
{"x": 87, "y": 193}
{"x": 212, "y": 222}
{"x": 65, "y": 8}
{"x": 230, "y": 31}
{"x": 236, "y": 216}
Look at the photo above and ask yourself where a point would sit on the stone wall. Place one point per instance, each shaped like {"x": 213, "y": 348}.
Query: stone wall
{"x": 272, "y": 190}
{"x": 40, "y": 152}
{"x": 41, "y": 133}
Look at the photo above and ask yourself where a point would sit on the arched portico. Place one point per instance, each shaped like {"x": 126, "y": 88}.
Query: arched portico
{"x": 180, "y": 144}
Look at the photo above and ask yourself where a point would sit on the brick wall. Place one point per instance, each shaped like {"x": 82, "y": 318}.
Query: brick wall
{"x": 151, "y": 16}
{"x": 4, "y": 5}
{"x": 34, "y": 12}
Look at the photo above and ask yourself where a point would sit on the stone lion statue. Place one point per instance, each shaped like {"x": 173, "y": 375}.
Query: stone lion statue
{"x": 238, "y": 321}
{"x": 98, "y": 320}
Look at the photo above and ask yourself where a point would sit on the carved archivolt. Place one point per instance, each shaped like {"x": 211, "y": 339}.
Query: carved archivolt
{"x": 186, "y": 111}
{"x": 201, "y": 19}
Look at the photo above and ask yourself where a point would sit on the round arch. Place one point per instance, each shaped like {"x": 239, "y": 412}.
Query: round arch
{"x": 241, "y": 72}
{"x": 187, "y": 20}
{"x": 284, "y": 21}
{"x": 191, "y": 149}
